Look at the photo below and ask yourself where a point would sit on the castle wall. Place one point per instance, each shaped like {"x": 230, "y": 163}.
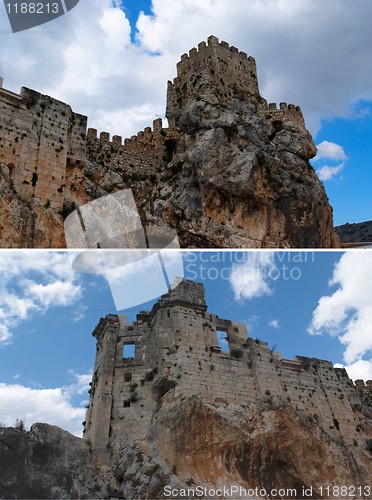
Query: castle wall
{"x": 99, "y": 416}
{"x": 135, "y": 158}
{"x": 37, "y": 135}
{"x": 285, "y": 113}
{"x": 42, "y": 140}
{"x": 365, "y": 391}
{"x": 177, "y": 356}
{"x": 214, "y": 72}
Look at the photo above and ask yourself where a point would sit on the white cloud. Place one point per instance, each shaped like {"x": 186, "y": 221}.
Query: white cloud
{"x": 327, "y": 172}
{"x": 57, "y": 293}
{"x": 5, "y": 334}
{"x": 274, "y": 323}
{"x": 32, "y": 282}
{"x": 360, "y": 370}
{"x": 86, "y": 57}
{"x": 330, "y": 150}
{"x": 251, "y": 323}
{"x": 53, "y": 406}
{"x": 252, "y": 278}
{"x": 347, "y": 312}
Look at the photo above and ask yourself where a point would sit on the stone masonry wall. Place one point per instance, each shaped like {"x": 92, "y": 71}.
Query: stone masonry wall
{"x": 177, "y": 356}
{"x": 214, "y": 72}
{"x": 134, "y": 158}
{"x": 37, "y": 135}
{"x": 218, "y": 73}
{"x": 43, "y": 142}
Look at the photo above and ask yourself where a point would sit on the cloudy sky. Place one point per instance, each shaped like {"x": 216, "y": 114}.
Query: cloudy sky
{"x": 311, "y": 304}
{"x": 111, "y": 60}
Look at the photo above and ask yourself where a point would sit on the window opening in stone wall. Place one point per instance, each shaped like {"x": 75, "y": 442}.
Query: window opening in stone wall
{"x": 222, "y": 340}
{"x": 127, "y": 403}
{"x": 127, "y": 377}
{"x": 129, "y": 350}
{"x": 170, "y": 146}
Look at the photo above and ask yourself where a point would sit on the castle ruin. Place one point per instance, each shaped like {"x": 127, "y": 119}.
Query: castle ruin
{"x": 174, "y": 354}
{"x": 50, "y": 163}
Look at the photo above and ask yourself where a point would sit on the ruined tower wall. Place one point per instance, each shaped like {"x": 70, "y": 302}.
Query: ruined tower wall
{"x": 177, "y": 356}
{"x": 121, "y": 404}
{"x": 311, "y": 385}
{"x": 133, "y": 402}
{"x": 195, "y": 361}
{"x": 98, "y": 418}
{"x": 37, "y": 135}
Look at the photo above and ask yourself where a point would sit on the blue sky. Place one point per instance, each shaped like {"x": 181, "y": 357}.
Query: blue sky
{"x": 312, "y": 304}
{"x": 111, "y": 59}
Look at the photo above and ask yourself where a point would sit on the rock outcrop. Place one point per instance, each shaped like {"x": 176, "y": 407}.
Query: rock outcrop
{"x": 230, "y": 171}
{"x": 265, "y": 446}
{"x": 182, "y": 415}
{"x": 46, "y": 462}
{"x": 269, "y": 445}
{"x": 360, "y": 232}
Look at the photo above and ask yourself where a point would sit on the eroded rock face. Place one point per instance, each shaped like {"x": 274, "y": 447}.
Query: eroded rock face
{"x": 264, "y": 445}
{"x": 46, "y": 462}
{"x": 238, "y": 182}
{"x": 230, "y": 171}
{"x": 355, "y": 233}
{"x": 268, "y": 444}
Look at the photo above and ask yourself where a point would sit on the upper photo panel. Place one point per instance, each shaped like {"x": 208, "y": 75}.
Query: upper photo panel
{"x": 97, "y": 150}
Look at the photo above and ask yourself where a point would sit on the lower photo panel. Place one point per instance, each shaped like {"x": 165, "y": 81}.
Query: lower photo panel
{"x": 186, "y": 374}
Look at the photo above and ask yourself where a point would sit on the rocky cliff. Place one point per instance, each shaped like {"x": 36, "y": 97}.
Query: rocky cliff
{"x": 360, "y": 232}
{"x": 231, "y": 170}
{"x": 266, "y": 445}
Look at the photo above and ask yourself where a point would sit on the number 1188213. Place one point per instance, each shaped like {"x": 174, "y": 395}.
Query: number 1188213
{"x": 33, "y": 8}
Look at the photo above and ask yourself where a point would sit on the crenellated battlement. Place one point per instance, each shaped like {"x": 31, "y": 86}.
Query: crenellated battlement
{"x": 150, "y": 140}
{"x": 284, "y": 112}
{"x": 220, "y": 74}
{"x": 214, "y": 72}
{"x": 45, "y": 145}
{"x": 204, "y": 49}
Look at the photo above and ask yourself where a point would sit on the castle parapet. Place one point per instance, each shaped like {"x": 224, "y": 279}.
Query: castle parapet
{"x": 92, "y": 134}
{"x": 285, "y": 112}
{"x": 150, "y": 140}
{"x": 199, "y": 76}
{"x": 104, "y": 137}
{"x": 117, "y": 141}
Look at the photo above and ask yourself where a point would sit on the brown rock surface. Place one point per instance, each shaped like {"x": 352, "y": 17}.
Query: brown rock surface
{"x": 231, "y": 171}
{"x": 265, "y": 445}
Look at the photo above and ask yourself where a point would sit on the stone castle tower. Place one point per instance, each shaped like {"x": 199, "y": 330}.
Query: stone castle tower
{"x": 42, "y": 139}
{"x": 259, "y": 191}
{"x": 172, "y": 353}
{"x": 218, "y": 73}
